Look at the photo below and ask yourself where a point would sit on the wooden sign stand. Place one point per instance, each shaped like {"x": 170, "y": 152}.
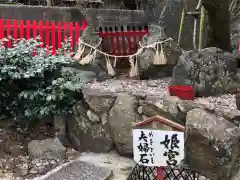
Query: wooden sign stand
{"x": 159, "y": 123}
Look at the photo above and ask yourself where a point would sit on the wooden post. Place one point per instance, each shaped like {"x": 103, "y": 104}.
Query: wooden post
{"x": 160, "y": 173}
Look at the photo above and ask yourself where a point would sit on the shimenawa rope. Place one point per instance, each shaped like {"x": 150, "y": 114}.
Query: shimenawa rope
{"x": 159, "y": 59}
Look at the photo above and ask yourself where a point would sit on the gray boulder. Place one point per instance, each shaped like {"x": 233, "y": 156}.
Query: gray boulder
{"x": 98, "y": 100}
{"x": 87, "y": 132}
{"x": 171, "y": 51}
{"x": 211, "y": 71}
{"x": 170, "y": 107}
{"x": 121, "y": 116}
{"x": 212, "y": 145}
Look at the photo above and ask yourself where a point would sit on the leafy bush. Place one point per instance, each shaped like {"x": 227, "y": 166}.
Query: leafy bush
{"x": 32, "y": 82}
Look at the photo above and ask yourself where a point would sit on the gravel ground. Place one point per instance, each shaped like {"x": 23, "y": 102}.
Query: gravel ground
{"x": 157, "y": 87}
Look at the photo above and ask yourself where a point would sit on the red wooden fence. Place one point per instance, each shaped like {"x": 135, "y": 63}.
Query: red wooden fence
{"x": 122, "y": 42}
{"x": 52, "y": 34}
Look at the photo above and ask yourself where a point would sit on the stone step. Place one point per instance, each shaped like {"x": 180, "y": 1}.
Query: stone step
{"x": 79, "y": 170}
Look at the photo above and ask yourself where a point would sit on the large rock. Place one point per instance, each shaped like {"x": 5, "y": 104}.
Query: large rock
{"x": 88, "y": 132}
{"x": 211, "y": 71}
{"x": 212, "y": 145}
{"x": 121, "y": 117}
{"x": 99, "y": 100}
{"x": 232, "y": 115}
{"x": 171, "y": 51}
{"x": 170, "y": 107}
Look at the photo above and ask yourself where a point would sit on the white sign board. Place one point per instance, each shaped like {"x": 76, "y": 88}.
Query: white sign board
{"x": 158, "y": 148}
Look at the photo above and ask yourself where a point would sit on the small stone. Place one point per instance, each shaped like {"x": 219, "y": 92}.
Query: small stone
{"x": 21, "y": 169}
{"x": 38, "y": 164}
{"x": 43, "y": 169}
{"x": 93, "y": 116}
{"x": 151, "y": 84}
{"x": 33, "y": 171}
{"x": 53, "y": 162}
{"x": 140, "y": 109}
{"x": 25, "y": 166}
{"x": 45, "y": 163}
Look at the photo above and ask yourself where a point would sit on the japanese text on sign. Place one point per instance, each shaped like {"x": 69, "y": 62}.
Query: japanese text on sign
{"x": 157, "y": 147}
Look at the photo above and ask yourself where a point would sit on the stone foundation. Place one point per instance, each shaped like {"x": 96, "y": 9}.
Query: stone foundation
{"x": 103, "y": 120}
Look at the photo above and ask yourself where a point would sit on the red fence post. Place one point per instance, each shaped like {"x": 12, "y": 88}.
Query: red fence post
{"x": 65, "y": 27}
{"x": 123, "y": 37}
{"x": 76, "y": 32}
{"x": 21, "y": 26}
{"x": 112, "y": 36}
{"x": 9, "y": 44}
{"x": 160, "y": 173}
{"x": 28, "y": 28}
{"x": 71, "y": 35}
{"x": 135, "y": 35}
{"x": 59, "y": 45}
{"x": 34, "y": 28}
{"x": 47, "y": 34}
{"x": 40, "y": 26}
{"x": 15, "y": 30}
{"x": 1, "y": 29}
{"x": 53, "y": 38}
{"x": 129, "y": 34}
{"x": 117, "y": 42}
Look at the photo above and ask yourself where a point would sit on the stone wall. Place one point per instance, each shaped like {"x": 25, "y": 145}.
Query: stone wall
{"x": 109, "y": 116}
{"x": 23, "y": 12}
{"x": 101, "y": 17}
{"x": 103, "y": 122}
{"x": 95, "y": 17}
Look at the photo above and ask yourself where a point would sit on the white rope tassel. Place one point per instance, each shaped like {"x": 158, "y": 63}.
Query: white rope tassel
{"x": 109, "y": 66}
{"x": 88, "y": 58}
{"x": 80, "y": 51}
{"x": 115, "y": 62}
{"x": 134, "y": 67}
{"x": 163, "y": 59}
{"x": 156, "y": 60}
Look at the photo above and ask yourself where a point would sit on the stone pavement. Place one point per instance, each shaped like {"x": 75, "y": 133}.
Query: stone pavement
{"x": 93, "y": 166}
{"x": 79, "y": 170}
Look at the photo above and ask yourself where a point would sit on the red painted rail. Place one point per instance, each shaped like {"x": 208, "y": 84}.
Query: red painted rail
{"x": 51, "y": 33}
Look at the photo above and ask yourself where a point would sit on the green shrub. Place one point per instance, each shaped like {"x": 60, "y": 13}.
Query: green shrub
{"x": 33, "y": 86}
